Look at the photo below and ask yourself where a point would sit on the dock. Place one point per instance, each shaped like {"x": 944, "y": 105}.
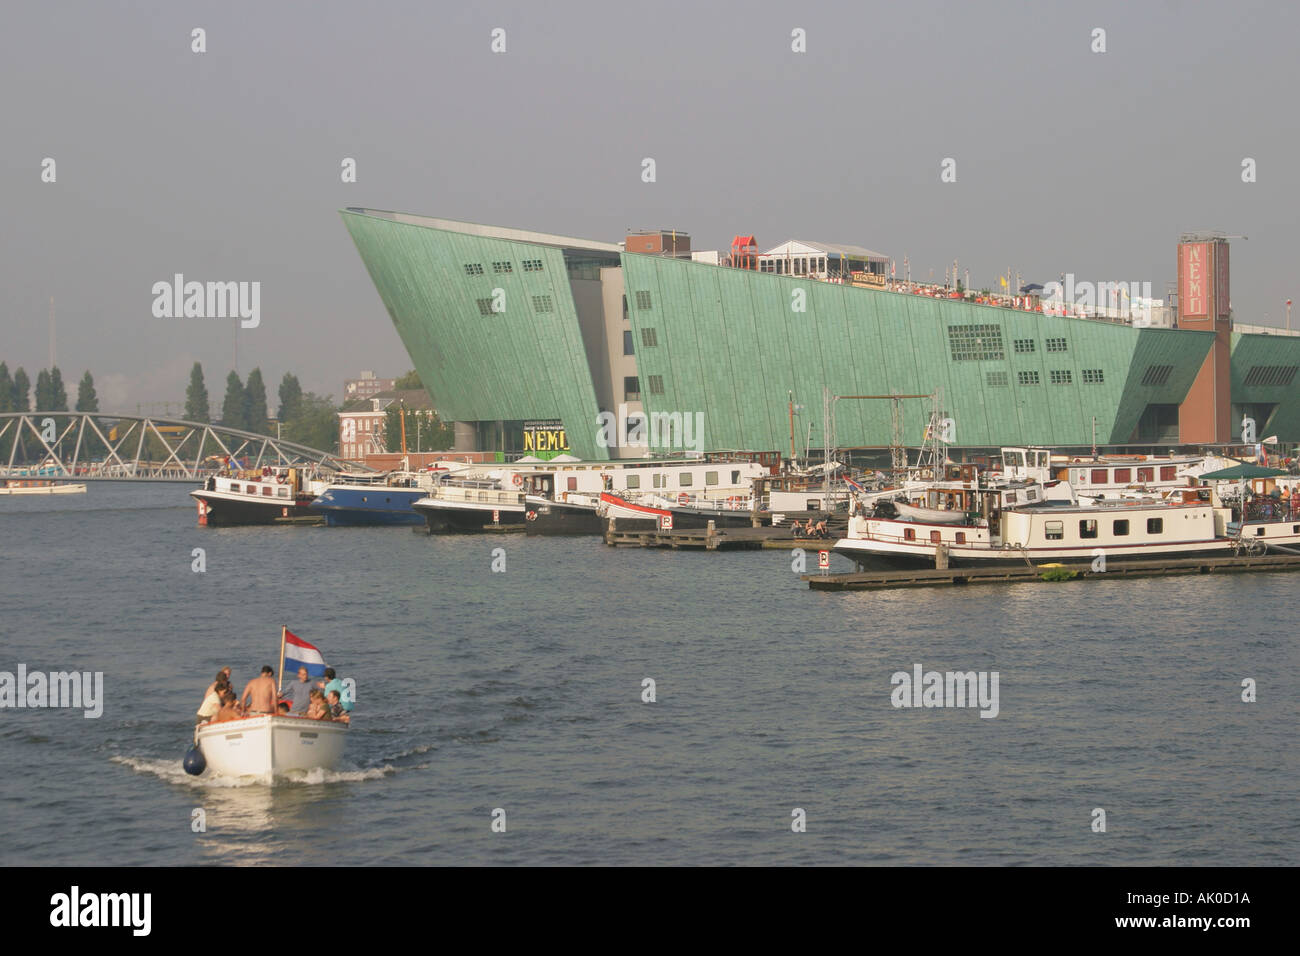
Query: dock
{"x": 643, "y": 534}
{"x": 922, "y": 578}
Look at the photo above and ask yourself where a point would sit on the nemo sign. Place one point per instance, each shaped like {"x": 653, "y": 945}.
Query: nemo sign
{"x": 545, "y": 436}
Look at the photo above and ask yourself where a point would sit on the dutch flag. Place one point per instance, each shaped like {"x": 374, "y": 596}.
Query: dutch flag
{"x": 298, "y": 653}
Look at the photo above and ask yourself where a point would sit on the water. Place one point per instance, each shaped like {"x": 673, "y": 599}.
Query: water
{"x": 522, "y": 691}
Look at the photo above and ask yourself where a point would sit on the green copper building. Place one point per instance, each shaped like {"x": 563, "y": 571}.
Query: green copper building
{"x": 520, "y": 334}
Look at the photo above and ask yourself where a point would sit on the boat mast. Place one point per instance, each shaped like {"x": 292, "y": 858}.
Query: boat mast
{"x": 280, "y": 671}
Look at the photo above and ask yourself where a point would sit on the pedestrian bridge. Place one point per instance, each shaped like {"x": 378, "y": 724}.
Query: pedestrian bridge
{"x": 101, "y": 446}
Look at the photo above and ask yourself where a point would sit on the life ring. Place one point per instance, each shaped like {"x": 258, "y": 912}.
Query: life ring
{"x": 279, "y": 479}
{"x": 683, "y": 498}
{"x": 733, "y": 502}
{"x": 519, "y": 480}
{"x": 531, "y": 516}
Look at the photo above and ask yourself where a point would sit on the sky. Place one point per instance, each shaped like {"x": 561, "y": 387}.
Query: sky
{"x": 226, "y": 165}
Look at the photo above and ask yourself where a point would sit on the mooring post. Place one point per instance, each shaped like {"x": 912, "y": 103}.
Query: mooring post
{"x": 711, "y": 536}
{"x": 609, "y": 530}
{"x": 941, "y": 558}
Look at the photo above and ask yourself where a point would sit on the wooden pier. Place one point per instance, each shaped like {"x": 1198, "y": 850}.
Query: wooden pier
{"x": 642, "y": 534}
{"x": 881, "y": 580}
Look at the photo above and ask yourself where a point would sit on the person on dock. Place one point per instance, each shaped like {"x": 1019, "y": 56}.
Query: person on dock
{"x": 259, "y": 695}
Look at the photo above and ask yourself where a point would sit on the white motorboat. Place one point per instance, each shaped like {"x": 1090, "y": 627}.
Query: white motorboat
{"x": 928, "y": 515}
{"x": 28, "y": 487}
{"x": 256, "y": 746}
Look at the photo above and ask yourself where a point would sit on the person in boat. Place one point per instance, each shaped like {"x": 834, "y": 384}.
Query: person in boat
{"x": 332, "y": 682}
{"x": 223, "y": 677}
{"x": 299, "y": 693}
{"x": 318, "y": 709}
{"x": 211, "y": 703}
{"x": 336, "y": 711}
{"x": 260, "y": 695}
{"x": 230, "y": 709}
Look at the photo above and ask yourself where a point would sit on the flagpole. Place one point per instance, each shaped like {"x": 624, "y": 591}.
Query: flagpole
{"x": 281, "y": 670}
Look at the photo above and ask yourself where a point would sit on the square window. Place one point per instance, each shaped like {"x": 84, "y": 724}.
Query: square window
{"x": 633, "y": 482}
{"x": 484, "y": 306}
{"x": 1123, "y": 476}
{"x": 1027, "y": 378}
{"x": 473, "y": 268}
{"x": 1155, "y": 525}
{"x": 1146, "y": 474}
{"x": 685, "y": 479}
{"x": 1024, "y": 345}
{"x": 1168, "y": 473}
{"x": 997, "y": 379}
{"x": 1056, "y": 345}
{"x": 649, "y": 338}
{"x": 1100, "y": 476}
{"x": 1061, "y": 376}
{"x": 710, "y": 477}
{"x": 656, "y": 384}
{"x": 643, "y": 299}
{"x": 1054, "y": 530}
{"x": 532, "y": 265}
{"x": 543, "y": 303}
{"x": 503, "y": 268}
{"x": 1121, "y": 527}
{"x": 1088, "y": 528}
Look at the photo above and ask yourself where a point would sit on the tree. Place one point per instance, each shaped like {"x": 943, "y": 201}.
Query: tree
{"x": 316, "y": 424}
{"x": 87, "y": 400}
{"x": 425, "y": 431}
{"x": 6, "y": 389}
{"x": 290, "y": 397}
{"x": 43, "y": 397}
{"x": 255, "y": 413}
{"x": 22, "y": 386}
{"x": 410, "y": 380}
{"x": 232, "y": 409}
{"x": 58, "y": 393}
{"x": 196, "y": 397}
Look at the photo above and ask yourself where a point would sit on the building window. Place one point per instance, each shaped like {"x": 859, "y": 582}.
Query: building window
{"x": 1024, "y": 345}
{"x": 648, "y": 338}
{"x": 1157, "y": 375}
{"x": 656, "y": 384}
{"x": 1054, "y": 530}
{"x": 532, "y": 265}
{"x": 997, "y": 379}
{"x": 501, "y": 268}
{"x": 484, "y": 306}
{"x": 1027, "y": 378}
{"x": 1121, "y": 527}
{"x": 631, "y": 389}
{"x": 542, "y": 303}
{"x": 627, "y": 343}
{"x": 1060, "y": 376}
{"x": 1093, "y": 376}
{"x": 643, "y": 299}
{"x": 1271, "y": 375}
{"x": 977, "y": 343}
{"x": 1088, "y": 528}
{"x": 1055, "y": 345}
{"x": 1155, "y": 525}
{"x": 473, "y": 268}
{"x": 626, "y": 317}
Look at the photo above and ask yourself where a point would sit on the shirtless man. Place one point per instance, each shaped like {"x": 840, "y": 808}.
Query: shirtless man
{"x": 262, "y": 691}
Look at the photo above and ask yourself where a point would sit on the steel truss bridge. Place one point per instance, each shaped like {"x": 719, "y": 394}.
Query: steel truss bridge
{"x": 100, "y": 446}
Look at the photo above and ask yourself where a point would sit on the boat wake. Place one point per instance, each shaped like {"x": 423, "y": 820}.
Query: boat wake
{"x": 172, "y": 772}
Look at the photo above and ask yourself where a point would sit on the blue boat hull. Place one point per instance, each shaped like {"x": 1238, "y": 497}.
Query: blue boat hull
{"x": 375, "y": 505}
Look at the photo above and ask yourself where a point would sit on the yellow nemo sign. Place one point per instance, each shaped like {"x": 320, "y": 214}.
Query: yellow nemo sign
{"x": 545, "y": 438}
